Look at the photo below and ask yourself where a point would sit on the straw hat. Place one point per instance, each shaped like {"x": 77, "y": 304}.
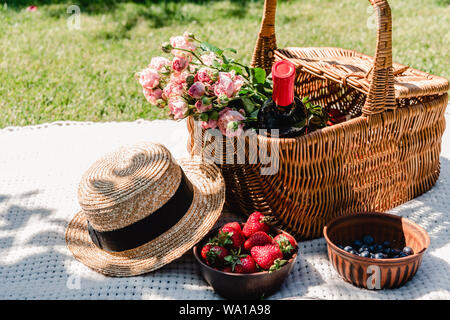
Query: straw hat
{"x": 141, "y": 209}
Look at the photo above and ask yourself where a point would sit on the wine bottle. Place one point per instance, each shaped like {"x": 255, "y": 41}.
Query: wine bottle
{"x": 283, "y": 111}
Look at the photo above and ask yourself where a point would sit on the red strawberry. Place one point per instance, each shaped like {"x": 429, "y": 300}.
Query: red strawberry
{"x": 234, "y": 234}
{"x": 286, "y": 242}
{"x": 233, "y": 225}
{"x": 255, "y": 222}
{"x": 246, "y": 265}
{"x": 205, "y": 250}
{"x": 265, "y": 256}
{"x": 241, "y": 263}
{"x": 227, "y": 269}
{"x": 259, "y": 238}
{"x": 214, "y": 255}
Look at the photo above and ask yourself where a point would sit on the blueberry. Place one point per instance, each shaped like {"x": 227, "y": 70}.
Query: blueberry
{"x": 368, "y": 239}
{"x": 340, "y": 246}
{"x": 348, "y": 248}
{"x": 395, "y": 252}
{"x": 396, "y": 257}
{"x": 364, "y": 247}
{"x": 380, "y": 255}
{"x": 386, "y": 244}
{"x": 379, "y": 248}
{"x": 365, "y": 254}
{"x": 402, "y": 254}
{"x": 372, "y": 249}
{"x": 354, "y": 252}
{"x": 408, "y": 251}
{"x": 387, "y": 251}
{"x": 372, "y": 256}
{"x": 357, "y": 243}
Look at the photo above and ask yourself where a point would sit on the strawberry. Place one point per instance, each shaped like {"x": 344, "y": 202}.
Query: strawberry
{"x": 233, "y": 225}
{"x": 265, "y": 256}
{"x": 241, "y": 263}
{"x": 246, "y": 265}
{"x": 255, "y": 222}
{"x": 227, "y": 269}
{"x": 286, "y": 243}
{"x": 205, "y": 250}
{"x": 259, "y": 238}
{"x": 234, "y": 233}
{"x": 222, "y": 239}
{"x": 214, "y": 255}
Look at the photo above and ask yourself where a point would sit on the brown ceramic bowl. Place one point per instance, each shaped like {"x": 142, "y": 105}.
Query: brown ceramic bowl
{"x": 243, "y": 286}
{"x": 375, "y": 273}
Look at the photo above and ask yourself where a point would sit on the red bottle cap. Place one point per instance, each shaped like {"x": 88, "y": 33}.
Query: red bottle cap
{"x": 283, "y": 76}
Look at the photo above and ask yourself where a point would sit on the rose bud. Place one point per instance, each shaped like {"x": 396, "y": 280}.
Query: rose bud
{"x": 197, "y": 90}
{"x": 166, "y": 47}
{"x": 179, "y": 64}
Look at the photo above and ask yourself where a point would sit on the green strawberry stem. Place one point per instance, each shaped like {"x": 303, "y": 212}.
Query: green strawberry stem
{"x": 277, "y": 264}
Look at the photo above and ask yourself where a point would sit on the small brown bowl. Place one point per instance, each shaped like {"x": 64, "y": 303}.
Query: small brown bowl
{"x": 243, "y": 286}
{"x": 375, "y": 273}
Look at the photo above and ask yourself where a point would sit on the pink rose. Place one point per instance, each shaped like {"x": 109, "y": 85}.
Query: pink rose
{"x": 228, "y": 84}
{"x": 179, "y": 77}
{"x": 210, "y": 124}
{"x": 238, "y": 82}
{"x": 172, "y": 89}
{"x": 224, "y": 85}
{"x": 197, "y": 90}
{"x": 153, "y": 95}
{"x": 178, "y": 108}
{"x": 182, "y": 42}
{"x": 149, "y": 78}
{"x": 202, "y": 107}
{"x": 179, "y": 64}
{"x": 209, "y": 58}
{"x": 158, "y": 63}
{"x": 204, "y": 75}
{"x": 231, "y": 122}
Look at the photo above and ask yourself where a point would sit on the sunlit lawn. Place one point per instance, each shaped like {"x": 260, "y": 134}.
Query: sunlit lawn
{"x": 49, "y": 72}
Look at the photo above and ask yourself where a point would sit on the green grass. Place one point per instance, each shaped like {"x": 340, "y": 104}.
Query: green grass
{"x": 50, "y": 73}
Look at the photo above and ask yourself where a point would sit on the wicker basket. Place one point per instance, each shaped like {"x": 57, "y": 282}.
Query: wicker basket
{"x": 386, "y": 154}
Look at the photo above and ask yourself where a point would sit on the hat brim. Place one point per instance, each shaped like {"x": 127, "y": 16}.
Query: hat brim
{"x": 206, "y": 208}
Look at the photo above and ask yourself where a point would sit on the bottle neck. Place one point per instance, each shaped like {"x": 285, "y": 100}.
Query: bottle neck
{"x": 283, "y": 91}
{"x": 283, "y": 109}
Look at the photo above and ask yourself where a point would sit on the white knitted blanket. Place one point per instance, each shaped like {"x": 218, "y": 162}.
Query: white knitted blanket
{"x": 41, "y": 166}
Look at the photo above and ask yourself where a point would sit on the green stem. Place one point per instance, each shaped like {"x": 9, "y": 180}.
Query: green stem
{"x": 190, "y": 51}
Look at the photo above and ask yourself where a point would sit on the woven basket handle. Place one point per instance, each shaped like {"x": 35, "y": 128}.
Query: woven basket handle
{"x": 381, "y": 95}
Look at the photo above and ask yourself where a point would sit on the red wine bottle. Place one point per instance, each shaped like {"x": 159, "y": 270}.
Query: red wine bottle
{"x": 284, "y": 111}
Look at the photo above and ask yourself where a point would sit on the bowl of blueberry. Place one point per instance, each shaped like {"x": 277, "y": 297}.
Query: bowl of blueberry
{"x": 375, "y": 250}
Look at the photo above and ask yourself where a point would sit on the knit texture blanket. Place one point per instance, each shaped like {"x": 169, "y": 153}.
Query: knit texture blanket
{"x": 41, "y": 166}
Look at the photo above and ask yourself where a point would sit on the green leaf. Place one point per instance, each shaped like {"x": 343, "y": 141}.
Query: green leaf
{"x": 249, "y": 106}
{"x": 230, "y": 49}
{"x": 217, "y": 64}
{"x": 237, "y": 69}
{"x": 254, "y": 114}
{"x": 260, "y": 75}
{"x": 209, "y": 47}
{"x": 214, "y": 115}
{"x": 204, "y": 117}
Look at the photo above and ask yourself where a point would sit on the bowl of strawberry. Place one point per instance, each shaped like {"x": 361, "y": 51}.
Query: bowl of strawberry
{"x": 247, "y": 260}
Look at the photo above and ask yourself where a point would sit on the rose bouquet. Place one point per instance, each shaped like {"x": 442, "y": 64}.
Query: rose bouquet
{"x": 199, "y": 80}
